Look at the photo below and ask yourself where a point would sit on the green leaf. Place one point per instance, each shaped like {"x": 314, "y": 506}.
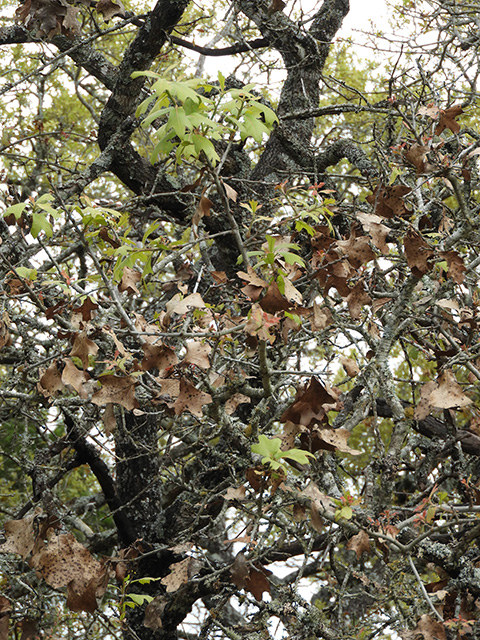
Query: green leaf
{"x": 267, "y": 446}
{"x": 139, "y": 598}
{"x": 25, "y": 272}
{"x": 298, "y": 455}
{"x": 40, "y": 223}
{"x": 15, "y": 209}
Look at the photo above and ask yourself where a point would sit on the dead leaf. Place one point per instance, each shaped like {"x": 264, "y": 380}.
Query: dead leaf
{"x": 447, "y": 120}
{"x": 235, "y": 493}
{"x": 117, "y": 389}
{"x": 154, "y": 612}
{"x": 252, "y": 578}
{"x": 197, "y": 353}
{"x": 180, "y": 305}
{"x": 20, "y": 536}
{"x": 65, "y": 562}
{"x": 448, "y": 394}
{"x": 418, "y": 253}
{"x": 110, "y": 8}
{"x": 5, "y": 611}
{"x": 312, "y": 404}
{"x": 357, "y": 299}
{"x": 359, "y": 543}
{"x": 181, "y": 573}
{"x": 351, "y": 367}
{"x": 83, "y": 347}
{"x": 427, "y": 628}
{"x": 158, "y": 356}
{"x": 75, "y": 378}
{"x": 191, "y": 399}
{"x": 129, "y": 281}
{"x": 50, "y": 382}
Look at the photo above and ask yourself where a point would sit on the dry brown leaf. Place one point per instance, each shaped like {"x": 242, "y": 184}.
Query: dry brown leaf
{"x": 359, "y": 543}
{"x": 197, "y": 353}
{"x": 20, "y": 536}
{"x": 357, "y": 299}
{"x": 448, "y": 393}
{"x": 109, "y": 420}
{"x": 418, "y": 253}
{"x": 232, "y": 403}
{"x": 252, "y": 578}
{"x": 158, "y": 356}
{"x": 64, "y": 561}
{"x": 180, "y": 305}
{"x": 110, "y": 8}
{"x": 312, "y": 404}
{"x": 447, "y": 120}
{"x": 50, "y": 381}
{"x": 5, "y": 610}
{"x": 117, "y": 389}
{"x": 190, "y": 399}
{"x": 424, "y": 408}
{"x": 235, "y": 493}
{"x": 129, "y": 281}
{"x": 351, "y": 367}
{"x": 75, "y": 378}
{"x": 83, "y": 347}
{"x": 181, "y": 573}
{"x": 154, "y": 612}
{"x": 426, "y": 628}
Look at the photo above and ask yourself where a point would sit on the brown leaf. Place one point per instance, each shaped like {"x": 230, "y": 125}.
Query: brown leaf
{"x": 356, "y": 250}
{"x": 158, "y": 356}
{"x": 328, "y": 439}
{"x": 448, "y": 394}
{"x": 129, "y": 281}
{"x": 418, "y": 253}
{"x": 456, "y": 266}
{"x": 235, "y": 493}
{"x": 154, "y": 612}
{"x": 252, "y": 578}
{"x": 29, "y": 628}
{"x": 388, "y": 201}
{"x": 260, "y": 324}
{"x": 5, "y": 338}
{"x": 203, "y": 209}
{"x": 234, "y": 401}
{"x": 20, "y": 537}
{"x": 86, "y": 309}
{"x": 351, "y": 367}
{"x": 427, "y": 628}
{"x": 312, "y": 404}
{"x": 110, "y": 8}
{"x": 417, "y": 155}
{"x": 359, "y": 543}
{"x": 83, "y": 347}
{"x": 322, "y": 317}
{"x": 117, "y": 389}
{"x": 357, "y": 299}
{"x": 5, "y": 610}
{"x": 181, "y": 573}
{"x": 191, "y": 399}
{"x": 64, "y": 561}
{"x": 372, "y": 224}
{"x": 197, "y": 353}
{"x": 447, "y": 120}
{"x": 109, "y": 420}
{"x": 424, "y": 408}
{"x": 180, "y": 305}
{"x": 75, "y": 378}
{"x": 50, "y": 381}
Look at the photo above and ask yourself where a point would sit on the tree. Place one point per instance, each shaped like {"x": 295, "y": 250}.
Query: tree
{"x": 238, "y": 341}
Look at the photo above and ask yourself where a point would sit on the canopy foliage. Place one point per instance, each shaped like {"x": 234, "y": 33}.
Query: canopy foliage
{"x": 238, "y": 337}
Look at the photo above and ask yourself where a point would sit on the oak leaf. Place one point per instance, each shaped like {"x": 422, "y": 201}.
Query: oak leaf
{"x": 130, "y": 278}
{"x": 191, "y": 399}
{"x": 117, "y": 389}
{"x": 50, "y": 381}
{"x": 359, "y": 543}
{"x": 180, "y": 573}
